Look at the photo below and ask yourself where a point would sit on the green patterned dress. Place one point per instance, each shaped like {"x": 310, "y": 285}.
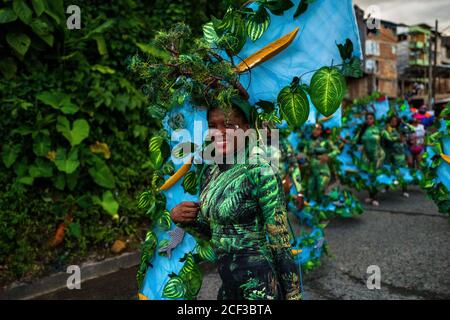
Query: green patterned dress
{"x": 394, "y": 147}
{"x": 319, "y": 174}
{"x": 243, "y": 212}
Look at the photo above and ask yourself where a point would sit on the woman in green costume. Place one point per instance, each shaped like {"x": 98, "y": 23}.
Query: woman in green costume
{"x": 319, "y": 152}
{"x": 243, "y": 211}
{"x": 394, "y": 147}
{"x": 369, "y": 137}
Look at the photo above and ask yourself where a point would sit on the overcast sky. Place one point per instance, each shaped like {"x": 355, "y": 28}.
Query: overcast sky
{"x": 412, "y": 11}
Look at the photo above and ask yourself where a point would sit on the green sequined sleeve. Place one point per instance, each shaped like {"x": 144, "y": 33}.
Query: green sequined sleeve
{"x": 200, "y": 228}
{"x": 272, "y": 202}
{"x": 390, "y": 136}
{"x": 334, "y": 150}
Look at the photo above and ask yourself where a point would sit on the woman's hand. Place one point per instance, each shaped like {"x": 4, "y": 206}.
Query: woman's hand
{"x": 185, "y": 212}
{"x": 324, "y": 158}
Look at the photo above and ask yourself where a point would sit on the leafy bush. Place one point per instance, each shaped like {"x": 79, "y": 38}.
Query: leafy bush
{"x": 75, "y": 126}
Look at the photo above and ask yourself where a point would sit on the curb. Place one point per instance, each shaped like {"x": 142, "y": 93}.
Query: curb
{"x": 89, "y": 271}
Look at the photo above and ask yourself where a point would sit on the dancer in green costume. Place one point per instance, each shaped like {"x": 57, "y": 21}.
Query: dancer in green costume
{"x": 394, "y": 147}
{"x": 373, "y": 154}
{"x": 243, "y": 211}
{"x": 319, "y": 152}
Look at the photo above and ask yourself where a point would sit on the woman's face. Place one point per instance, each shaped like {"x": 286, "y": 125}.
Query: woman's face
{"x": 224, "y": 132}
{"x": 370, "y": 120}
{"x": 317, "y": 131}
{"x": 393, "y": 122}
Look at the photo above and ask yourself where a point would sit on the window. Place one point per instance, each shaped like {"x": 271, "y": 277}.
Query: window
{"x": 372, "y": 48}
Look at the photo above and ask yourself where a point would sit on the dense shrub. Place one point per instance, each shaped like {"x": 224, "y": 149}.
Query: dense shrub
{"x": 74, "y": 125}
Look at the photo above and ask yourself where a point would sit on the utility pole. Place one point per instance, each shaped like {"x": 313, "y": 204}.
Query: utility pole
{"x": 436, "y": 36}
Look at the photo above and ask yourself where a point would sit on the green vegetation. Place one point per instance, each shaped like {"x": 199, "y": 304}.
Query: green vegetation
{"x": 75, "y": 126}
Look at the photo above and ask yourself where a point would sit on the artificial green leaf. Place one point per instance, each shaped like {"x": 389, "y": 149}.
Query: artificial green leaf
{"x": 206, "y": 252}
{"x": 22, "y": 10}
{"x": 181, "y": 150}
{"x": 258, "y": 23}
{"x": 352, "y": 68}
{"x": 41, "y": 145}
{"x": 346, "y": 50}
{"x": 301, "y": 9}
{"x": 7, "y": 15}
{"x": 190, "y": 183}
{"x": 294, "y": 106}
{"x": 164, "y": 221}
{"x": 209, "y": 33}
{"x": 278, "y": 7}
{"x": 67, "y": 163}
{"x": 20, "y": 42}
{"x": 327, "y": 90}
{"x": 174, "y": 288}
{"x": 145, "y": 199}
{"x": 10, "y": 154}
{"x": 193, "y": 282}
{"x": 76, "y": 134}
{"x": 156, "y": 157}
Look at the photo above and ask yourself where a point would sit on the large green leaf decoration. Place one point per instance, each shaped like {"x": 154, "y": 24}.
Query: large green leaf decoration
{"x": 294, "y": 105}
{"x": 210, "y": 33}
{"x": 206, "y": 252}
{"x": 145, "y": 199}
{"x": 327, "y": 90}
{"x": 258, "y": 23}
{"x": 174, "y": 288}
{"x": 164, "y": 221}
{"x": 193, "y": 282}
{"x": 76, "y": 134}
{"x": 190, "y": 183}
{"x": 189, "y": 263}
{"x": 156, "y": 156}
{"x": 67, "y": 163}
{"x": 277, "y": 7}
{"x": 181, "y": 150}
{"x": 102, "y": 175}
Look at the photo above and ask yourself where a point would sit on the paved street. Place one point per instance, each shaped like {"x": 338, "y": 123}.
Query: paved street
{"x": 407, "y": 238}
